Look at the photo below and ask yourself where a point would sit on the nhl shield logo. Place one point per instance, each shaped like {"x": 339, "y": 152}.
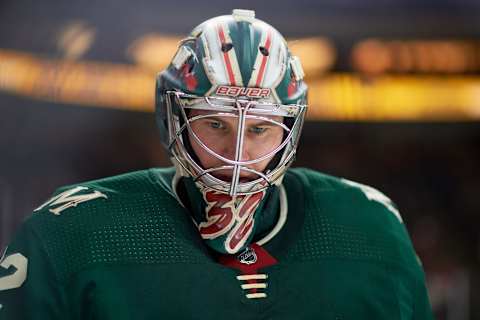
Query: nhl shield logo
{"x": 248, "y": 256}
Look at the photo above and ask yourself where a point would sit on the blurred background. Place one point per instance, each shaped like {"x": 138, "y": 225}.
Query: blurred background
{"x": 394, "y": 103}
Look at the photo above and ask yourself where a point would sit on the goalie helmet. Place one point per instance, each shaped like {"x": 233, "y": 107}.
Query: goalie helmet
{"x": 239, "y": 67}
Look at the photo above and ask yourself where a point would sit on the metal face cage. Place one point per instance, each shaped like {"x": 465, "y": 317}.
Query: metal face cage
{"x": 179, "y": 107}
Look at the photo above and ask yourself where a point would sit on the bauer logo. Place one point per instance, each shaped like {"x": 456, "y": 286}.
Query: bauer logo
{"x": 243, "y": 91}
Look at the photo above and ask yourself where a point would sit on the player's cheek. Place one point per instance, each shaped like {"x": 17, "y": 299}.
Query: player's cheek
{"x": 262, "y": 165}
{"x": 269, "y": 142}
{"x": 208, "y": 136}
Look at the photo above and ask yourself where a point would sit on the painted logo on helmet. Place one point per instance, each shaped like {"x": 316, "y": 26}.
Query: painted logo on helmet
{"x": 232, "y": 216}
{"x": 232, "y": 91}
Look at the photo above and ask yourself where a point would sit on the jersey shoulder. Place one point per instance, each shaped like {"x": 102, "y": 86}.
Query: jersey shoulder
{"x": 107, "y": 192}
{"x": 320, "y": 186}
{"x": 130, "y": 218}
{"x": 357, "y": 220}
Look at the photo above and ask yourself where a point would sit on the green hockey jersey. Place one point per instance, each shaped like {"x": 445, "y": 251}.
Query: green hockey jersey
{"x": 125, "y": 248}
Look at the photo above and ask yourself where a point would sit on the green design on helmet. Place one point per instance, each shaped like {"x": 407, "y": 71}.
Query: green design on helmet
{"x": 233, "y": 64}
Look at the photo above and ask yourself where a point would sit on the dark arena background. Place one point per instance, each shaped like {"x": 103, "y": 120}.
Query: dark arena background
{"x": 394, "y": 103}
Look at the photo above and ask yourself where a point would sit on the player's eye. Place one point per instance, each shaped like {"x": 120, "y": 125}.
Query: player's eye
{"x": 215, "y": 124}
{"x": 258, "y": 129}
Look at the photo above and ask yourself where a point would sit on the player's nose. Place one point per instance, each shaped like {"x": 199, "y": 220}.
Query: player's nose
{"x": 235, "y": 146}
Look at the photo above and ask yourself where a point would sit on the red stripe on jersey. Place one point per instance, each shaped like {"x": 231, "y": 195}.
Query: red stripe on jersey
{"x": 264, "y": 60}
{"x": 264, "y": 259}
{"x": 226, "y": 57}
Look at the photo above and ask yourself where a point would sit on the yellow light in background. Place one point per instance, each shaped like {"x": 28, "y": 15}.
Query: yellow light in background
{"x": 331, "y": 97}
{"x": 349, "y": 97}
{"x": 82, "y": 83}
{"x": 153, "y": 51}
{"x": 374, "y": 56}
{"x": 317, "y": 54}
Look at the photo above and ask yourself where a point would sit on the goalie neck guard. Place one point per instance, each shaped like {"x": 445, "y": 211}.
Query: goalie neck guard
{"x": 232, "y": 67}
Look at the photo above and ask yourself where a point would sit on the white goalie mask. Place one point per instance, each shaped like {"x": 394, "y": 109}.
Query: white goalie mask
{"x": 231, "y": 105}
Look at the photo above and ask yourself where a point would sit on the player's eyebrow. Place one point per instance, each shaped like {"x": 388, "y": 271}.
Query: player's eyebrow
{"x": 262, "y": 123}
{"x": 252, "y": 122}
{"x": 216, "y": 118}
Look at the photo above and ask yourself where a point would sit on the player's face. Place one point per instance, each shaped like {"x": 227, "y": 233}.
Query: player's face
{"x": 219, "y": 133}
